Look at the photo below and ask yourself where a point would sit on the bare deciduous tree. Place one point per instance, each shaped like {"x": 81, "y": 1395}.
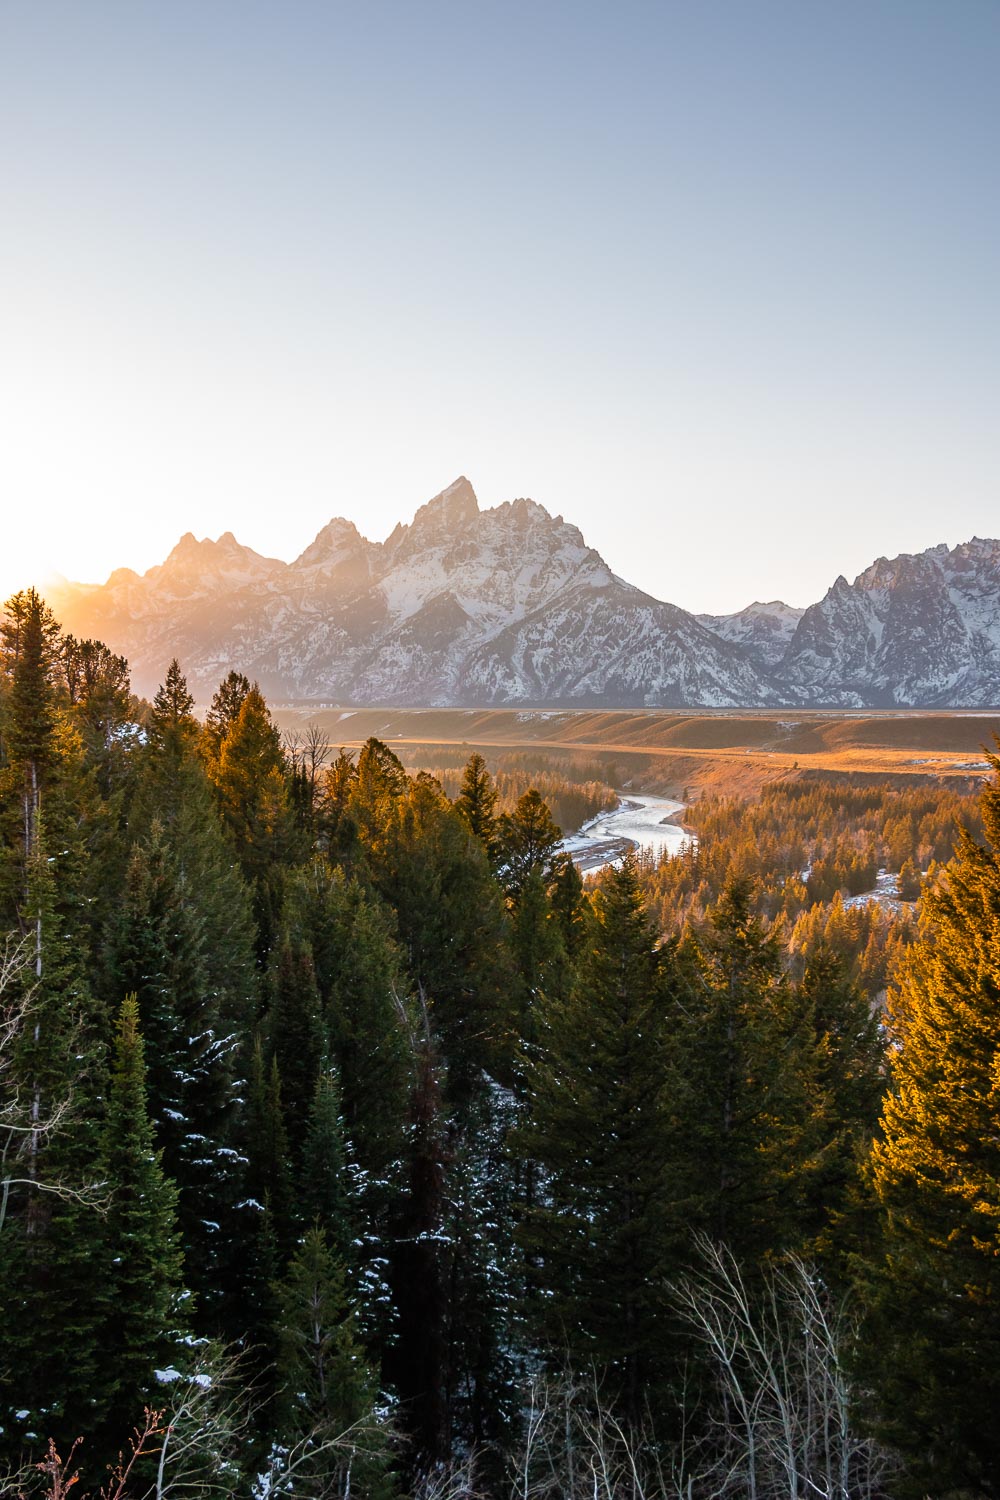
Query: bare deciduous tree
{"x": 22, "y": 1126}
{"x": 783, "y": 1427}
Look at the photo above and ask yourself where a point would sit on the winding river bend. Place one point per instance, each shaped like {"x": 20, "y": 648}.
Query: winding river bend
{"x": 638, "y": 822}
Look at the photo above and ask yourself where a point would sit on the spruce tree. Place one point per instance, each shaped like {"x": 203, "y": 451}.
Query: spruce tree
{"x": 451, "y": 925}
{"x": 173, "y": 791}
{"x": 252, "y": 788}
{"x": 601, "y": 1230}
{"x": 754, "y": 1111}
{"x": 144, "y": 1278}
{"x": 266, "y": 1221}
{"x": 328, "y": 1191}
{"x": 295, "y": 1035}
{"x": 158, "y": 953}
{"x": 935, "y": 1330}
{"x": 363, "y": 990}
{"x": 527, "y": 839}
{"x": 53, "y": 1238}
{"x": 476, "y": 803}
{"x": 326, "y": 1390}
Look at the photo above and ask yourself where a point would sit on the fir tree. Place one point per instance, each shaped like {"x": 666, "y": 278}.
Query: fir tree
{"x": 295, "y": 1035}
{"x": 935, "y": 1332}
{"x": 527, "y": 838}
{"x": 754, "y": 1110}
{"x": 328, "y": 1195}
{"x": 53, "y": 1240}
{"x": 223, "y": 712}
{"x": 251, "y": 786}
{"x": 451, "y": 925}
{"x": 157, "y": 953}
{"x": 326, "y": 1390}
{"x": 476, "y": 803}
{"x": 600, "y": 1234}
{"x": 362, "y": 983}
{"x": 146, "y": 1262}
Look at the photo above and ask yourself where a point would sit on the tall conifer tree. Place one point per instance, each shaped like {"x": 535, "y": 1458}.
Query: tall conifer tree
{"x": 146, "y": 1261}
{"x": 599, "y": 1234}
{"x": 935, "y": 1333}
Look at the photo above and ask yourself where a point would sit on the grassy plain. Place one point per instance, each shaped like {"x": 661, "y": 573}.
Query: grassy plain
{"x": 678, "y": 753}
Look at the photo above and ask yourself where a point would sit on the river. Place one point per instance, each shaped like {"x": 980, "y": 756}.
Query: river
{"x": 638, "y": 822}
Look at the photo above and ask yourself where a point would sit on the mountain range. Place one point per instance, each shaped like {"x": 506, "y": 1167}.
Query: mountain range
{"x": 510, "y": 606}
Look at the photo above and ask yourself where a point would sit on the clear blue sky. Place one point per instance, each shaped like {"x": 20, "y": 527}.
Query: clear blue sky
{"x": 717, "y": 280}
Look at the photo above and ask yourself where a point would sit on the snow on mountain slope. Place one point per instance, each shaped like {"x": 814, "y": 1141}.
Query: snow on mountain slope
{"x": 510, "y": 605}
{"x": 763, "y": 629}
{"x": 920, "y": 629}
{"x": 462, "y": 605}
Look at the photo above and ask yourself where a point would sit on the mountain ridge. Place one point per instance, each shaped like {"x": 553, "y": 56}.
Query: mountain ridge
{"x": 509, "y": 605}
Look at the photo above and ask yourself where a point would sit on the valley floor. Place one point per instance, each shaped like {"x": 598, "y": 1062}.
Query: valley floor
{"x": 686, "y": 754}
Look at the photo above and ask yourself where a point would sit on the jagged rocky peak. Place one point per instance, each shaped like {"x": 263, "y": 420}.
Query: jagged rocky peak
{"x": 338, "y": 539}
{"x": 195, "y": 564}
{"x": 441, "y": 517}
{"x": 206, "y": 553}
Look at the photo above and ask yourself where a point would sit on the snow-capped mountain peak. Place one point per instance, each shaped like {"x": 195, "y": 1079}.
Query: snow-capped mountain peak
{"x": 510, "y": 605}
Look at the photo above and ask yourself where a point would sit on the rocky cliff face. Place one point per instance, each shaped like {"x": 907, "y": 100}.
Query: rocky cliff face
{"x": 919, "y": 630}
{"x": 507, "y": 605}
{"x": 510, "y": 605}
{"x": 763, "y": 630}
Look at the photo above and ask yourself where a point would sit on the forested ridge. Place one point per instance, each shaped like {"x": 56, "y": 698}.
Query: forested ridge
{"x": 349, "y": 1146}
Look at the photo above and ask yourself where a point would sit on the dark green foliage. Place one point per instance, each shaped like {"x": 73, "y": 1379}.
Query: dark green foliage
{"x": 328, "y": 1191}
{"x": 326, "y": 1390}
{"x": 29, "y": 642}
{"x": 526, "y": 838}
{"x": 428, "y": 1108}
{"x": 601, "y": 1228}
{"x": 144, "y": 1276}
{"x": 934, "y": 1335}
{"x": 451, "y": 926}
{"x": 295, "y": 1034}
{"x": 417, "y": 1362}
{"x": 754, "y": 1108}
{"x": 54, "y": 1255}
{"x": 157, "y": 952}
{"x": 476, "y": 803}
{"x": 363, "y": 987}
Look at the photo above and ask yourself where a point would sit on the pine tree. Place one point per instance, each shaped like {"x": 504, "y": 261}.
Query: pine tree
{"x": 295, "y": 1035}
{"x": 754, "y": 1111}
{"x": 476, "y": 803}
{"x": 600, "y": 1234}
{"x": 223, "y": 712}
{"x": 527, "y": 838}
{"x": 157, "y": 952}
{"x": 251, "y": 785}
{"x": 267, "y": 1226}
{"x": 451, "y": 926}
{"x": 172, "y": 725}
{"x": 850, "y": 1081}
{"x": 363, "y": 986}
{"x": 935, "y": 1332}
{"x": 328, "y": 1194}
{"x": 146, "y": 1263}
{"x": 53, "y": 1246}
{"x": 173, "y": 791}
{"x": 326, "y": 1390}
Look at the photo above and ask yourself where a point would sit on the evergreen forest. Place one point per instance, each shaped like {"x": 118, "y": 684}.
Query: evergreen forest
{"x": 351, "y": 1145}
